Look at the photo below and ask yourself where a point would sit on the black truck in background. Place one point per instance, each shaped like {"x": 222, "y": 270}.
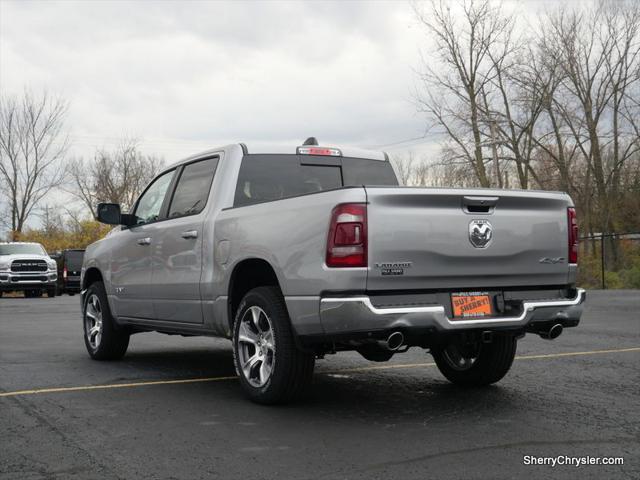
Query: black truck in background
{"x": 69, "y": 268}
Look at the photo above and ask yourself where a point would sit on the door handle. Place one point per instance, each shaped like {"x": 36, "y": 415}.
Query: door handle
{"x": 189, "y": 234}
{"x": 144, "y": 241}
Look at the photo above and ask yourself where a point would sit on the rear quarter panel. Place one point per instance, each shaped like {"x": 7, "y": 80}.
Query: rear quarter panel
{"x": 291, "y": 235}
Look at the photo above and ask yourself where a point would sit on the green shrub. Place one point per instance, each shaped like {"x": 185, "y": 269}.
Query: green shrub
{"x": 613, "y": 280}
{"x": 631, "y": 277}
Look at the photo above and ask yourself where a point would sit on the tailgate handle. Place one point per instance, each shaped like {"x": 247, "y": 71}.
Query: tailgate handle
{"x": 479, "y": 204}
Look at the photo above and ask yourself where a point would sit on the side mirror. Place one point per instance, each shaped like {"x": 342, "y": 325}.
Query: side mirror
{"x": 109, "y": 213}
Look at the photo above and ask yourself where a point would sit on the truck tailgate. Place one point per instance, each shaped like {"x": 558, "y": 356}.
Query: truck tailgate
{"x": 421, "y": 238}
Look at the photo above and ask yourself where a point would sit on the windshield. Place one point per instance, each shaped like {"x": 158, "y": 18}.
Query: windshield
{"x": 22, "y": 249}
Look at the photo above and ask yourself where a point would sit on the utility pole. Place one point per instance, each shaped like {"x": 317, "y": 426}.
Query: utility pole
{"x": 494, "y": 149}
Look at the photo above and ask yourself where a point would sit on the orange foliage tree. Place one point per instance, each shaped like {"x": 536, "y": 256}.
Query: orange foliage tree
{"x": 53, "y": 239}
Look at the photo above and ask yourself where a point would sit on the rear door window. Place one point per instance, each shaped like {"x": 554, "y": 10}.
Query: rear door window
{"x": 193, "y": 188}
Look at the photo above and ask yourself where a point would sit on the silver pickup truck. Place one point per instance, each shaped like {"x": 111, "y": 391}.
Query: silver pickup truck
{"x": 294, "y": 253}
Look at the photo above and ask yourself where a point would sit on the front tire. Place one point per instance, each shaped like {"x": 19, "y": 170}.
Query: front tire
{"x": 104, "y": 339}
{"x": 484, "y": 364}
{"x": 51, "y": 292}
{"x": 269, "y": 365}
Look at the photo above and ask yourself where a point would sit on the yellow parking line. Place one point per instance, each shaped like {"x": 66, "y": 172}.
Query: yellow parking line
{"x": 114, "y": 385}
{"x": 518, "y": 357}
{"x": 576, "y": 354}
{"x": 380, "y": 367}
{"x": 345, "y": 370}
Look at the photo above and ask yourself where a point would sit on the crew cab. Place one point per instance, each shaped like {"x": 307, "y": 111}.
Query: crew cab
{"x": 26, "y": 267}
{"x": 297, "y": 252}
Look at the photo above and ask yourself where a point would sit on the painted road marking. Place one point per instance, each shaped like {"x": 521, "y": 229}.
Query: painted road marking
{"x": 341, "y": 371}
{"x": 114, "y": 385}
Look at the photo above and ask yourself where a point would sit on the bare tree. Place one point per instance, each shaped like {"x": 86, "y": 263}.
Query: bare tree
{"x": 469, "y": 50}
{"x": 32, "y": 149}
{"x": 114, "y": 176}
{"x": 403, "y": 165}
{"x": 556, "y": 106}
{"x": 598, "y": 55}
{"x": 513, "y": 111}
{"x": 421, "y": 173}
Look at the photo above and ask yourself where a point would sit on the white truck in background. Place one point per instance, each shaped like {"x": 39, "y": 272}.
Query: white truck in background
{"x": 26, "y": 267}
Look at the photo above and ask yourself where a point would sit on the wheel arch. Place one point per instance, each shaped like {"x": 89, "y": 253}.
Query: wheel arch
{"x": 247, "y": 275}
{"x": 91, "y": 275}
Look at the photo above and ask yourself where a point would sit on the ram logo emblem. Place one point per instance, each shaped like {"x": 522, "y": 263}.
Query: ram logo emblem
{"x": 480, "y": 233}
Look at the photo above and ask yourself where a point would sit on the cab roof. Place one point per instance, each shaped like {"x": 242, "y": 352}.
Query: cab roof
{"x": 292, "y": 149}
{"x": 346, "y": 151}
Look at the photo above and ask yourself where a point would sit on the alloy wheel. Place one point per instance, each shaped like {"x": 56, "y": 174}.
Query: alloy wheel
{"x": 256, "y": 346}
{"x": 93, "y": 321}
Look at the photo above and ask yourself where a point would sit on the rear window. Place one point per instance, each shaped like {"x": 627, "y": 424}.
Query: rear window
{"x": 264, "y": 178}
{"x": 359, "y": 171}
{"x": 73, "y": 259}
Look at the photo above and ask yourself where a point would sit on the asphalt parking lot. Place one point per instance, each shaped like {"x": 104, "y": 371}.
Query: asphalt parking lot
{"x": 577, "y": 396}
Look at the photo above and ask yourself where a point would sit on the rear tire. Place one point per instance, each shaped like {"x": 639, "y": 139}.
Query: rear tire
{"x": 270, "y": 366}
{"x": 489, "y": 364}
{"x": 104, "y": 339}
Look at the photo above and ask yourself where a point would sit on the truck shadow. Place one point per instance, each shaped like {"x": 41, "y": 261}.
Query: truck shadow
{"x": 382, "y": 396}
{"x": 183, "y": 363}
{"x": 397, "y": 397}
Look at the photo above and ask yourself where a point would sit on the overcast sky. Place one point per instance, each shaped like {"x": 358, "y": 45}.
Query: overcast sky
{"x": 190, "y": 75}
{"x": 184, "y": 76}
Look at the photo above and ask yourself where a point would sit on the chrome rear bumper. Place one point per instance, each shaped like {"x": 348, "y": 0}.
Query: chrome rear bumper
{"x": 357, "y": 314}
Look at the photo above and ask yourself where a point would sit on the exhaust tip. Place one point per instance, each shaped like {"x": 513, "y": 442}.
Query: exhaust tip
{"x": 395, "y": 341}
{"x": 553, "y": 333}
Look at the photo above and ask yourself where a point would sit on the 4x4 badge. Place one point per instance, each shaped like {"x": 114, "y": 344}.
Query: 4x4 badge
{"x": 480, "y": 233}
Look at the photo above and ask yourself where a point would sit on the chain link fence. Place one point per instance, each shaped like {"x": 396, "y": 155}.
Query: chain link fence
{"x": 609, "y": 261}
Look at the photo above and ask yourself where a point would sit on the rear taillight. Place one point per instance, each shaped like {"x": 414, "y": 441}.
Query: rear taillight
{"x": 347, "y": 242}
{"x": 64, "y": 272}
{"x": 573, "y": 235}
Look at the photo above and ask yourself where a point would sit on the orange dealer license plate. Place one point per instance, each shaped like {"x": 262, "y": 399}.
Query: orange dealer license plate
{"x": 471, "y": 304}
